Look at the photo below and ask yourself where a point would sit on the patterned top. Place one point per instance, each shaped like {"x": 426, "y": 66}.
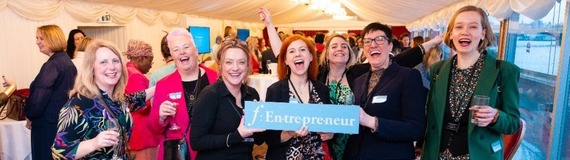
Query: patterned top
{"x": 340, "y": 94}
{"x": 83, "y": 118}
{"x": 460, "y": 91}
{"x": 309, "y": 146}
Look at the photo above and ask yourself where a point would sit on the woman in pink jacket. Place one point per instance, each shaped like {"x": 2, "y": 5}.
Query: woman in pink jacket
{"x": 176, "y": 92}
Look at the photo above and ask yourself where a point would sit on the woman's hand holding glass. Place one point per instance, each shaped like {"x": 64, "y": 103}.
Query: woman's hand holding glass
{"x": 167, "y": 108}
{"x": 109, "y": 137}
{"x": 246, "y": 132}
{"x": 481, "y": 113}
{"x": 484, "y": 115}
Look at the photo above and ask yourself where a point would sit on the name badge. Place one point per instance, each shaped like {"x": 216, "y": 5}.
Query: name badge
{"x": 379, "y": 99}
{"x": 293, "y": 100}
{"x": 496, "y": 146}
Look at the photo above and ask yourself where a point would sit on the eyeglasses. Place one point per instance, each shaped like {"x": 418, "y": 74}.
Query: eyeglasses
{"x": 380, "y": 40}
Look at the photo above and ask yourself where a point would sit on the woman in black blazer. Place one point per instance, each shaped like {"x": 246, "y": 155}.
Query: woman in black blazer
{"x": 392, "y": 99}
{"x": 217, "y": 130}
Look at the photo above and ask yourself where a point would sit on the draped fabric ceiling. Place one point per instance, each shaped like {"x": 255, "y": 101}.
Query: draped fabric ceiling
{"x": 414, "y": 14}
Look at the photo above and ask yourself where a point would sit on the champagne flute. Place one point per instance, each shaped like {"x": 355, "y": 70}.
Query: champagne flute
{"x": 174, "y": 96}
{"x": 113, "y": 125}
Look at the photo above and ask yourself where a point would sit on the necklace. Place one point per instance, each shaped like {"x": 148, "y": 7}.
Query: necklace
{"x": 295, "y": 90}
{"x": 190, "y": 97}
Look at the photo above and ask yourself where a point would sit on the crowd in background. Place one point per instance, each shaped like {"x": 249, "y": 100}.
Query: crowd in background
{"x": 89, "y": 102}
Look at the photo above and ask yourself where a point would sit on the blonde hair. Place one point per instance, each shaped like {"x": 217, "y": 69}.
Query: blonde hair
{"x": 432, "y": 55}
{"x": 85, "y": 82}
{"x": 86, "y": 41}
{"x": 324, "y": 59}
{"x": 489, "y": 38}
{"x": 53, "y": 37}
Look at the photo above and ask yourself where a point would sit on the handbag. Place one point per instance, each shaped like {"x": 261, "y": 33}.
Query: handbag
{"x": 15, "y": 105}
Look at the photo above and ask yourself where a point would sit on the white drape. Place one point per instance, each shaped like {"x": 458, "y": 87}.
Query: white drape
{"x": 87, "y": 12}
{"x": 500, "y": 9}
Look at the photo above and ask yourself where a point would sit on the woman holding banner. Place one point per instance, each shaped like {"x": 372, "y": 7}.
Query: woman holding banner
{"x": 217, "y": 130}
{"x": 297, "y": 71}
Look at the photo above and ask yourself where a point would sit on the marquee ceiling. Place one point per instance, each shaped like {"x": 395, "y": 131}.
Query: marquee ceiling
{"x": 394, "y": 12}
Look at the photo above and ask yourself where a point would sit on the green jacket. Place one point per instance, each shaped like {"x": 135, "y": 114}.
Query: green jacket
{"x": 480, "y": 139}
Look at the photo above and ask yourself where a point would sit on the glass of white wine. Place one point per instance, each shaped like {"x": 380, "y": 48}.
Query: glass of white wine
{"x": 113, "y": 125}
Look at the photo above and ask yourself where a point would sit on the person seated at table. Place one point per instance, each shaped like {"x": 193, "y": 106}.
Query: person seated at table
{"x": 392, "y": 100}
{"x": 217, "y": 130}
{"x": 297, "y": 72}
{"x": 176, "y": 93}
{"x": 96, "y": 123}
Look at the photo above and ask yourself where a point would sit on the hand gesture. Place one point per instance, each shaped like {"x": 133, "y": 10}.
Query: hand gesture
{"x": 246, "y": 132}
{"x": 367, "y": 120}
{"x": 299, "y": 133}
{"x": 167, "y": 108}
{"x": 265, "y": 16}
{"x": 7, "y": 82}
{"x": 326, "y": 136}
{"x": 484, "y": 116}
{"x": 106, "y": 139}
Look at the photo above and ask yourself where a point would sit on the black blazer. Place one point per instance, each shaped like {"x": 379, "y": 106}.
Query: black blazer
{"x": 279, "y": 92}
{"x": 215, "y": 119}
{"x": 401, "y": 116}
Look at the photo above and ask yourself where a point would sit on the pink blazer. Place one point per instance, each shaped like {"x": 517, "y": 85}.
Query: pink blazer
{"x": 171, "y": 84}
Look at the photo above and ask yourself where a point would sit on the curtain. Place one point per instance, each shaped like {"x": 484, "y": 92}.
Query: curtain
{"x": 500, "y": 9}
{"x": 87, "y": 12}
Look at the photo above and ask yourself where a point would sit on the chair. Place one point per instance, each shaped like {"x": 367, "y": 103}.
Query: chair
{"x": 511, "y": 142}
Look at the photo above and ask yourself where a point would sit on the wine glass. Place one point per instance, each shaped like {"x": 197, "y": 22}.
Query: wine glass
{"x": 174, "y": 96}
{"x": 113, "y": 125}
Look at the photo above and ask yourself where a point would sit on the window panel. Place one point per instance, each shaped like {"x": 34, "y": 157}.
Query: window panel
{"x": 534, "y": 45}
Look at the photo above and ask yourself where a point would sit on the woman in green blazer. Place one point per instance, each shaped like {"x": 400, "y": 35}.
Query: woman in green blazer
{"x": 450, "y": 134}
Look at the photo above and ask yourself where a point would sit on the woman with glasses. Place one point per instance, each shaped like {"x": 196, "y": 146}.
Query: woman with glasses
{"x": 217, "y": 130}
{"x": 175, "y": 94}
{"x": 392, "y": 102}
{"x": 338, "y": 69}
{"x": 95, "y": 122}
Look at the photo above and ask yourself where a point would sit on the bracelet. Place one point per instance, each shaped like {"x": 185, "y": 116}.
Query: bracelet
{"x": 228, "y": 139}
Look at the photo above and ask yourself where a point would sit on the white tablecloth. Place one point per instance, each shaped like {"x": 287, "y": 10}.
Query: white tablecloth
{"x": 260, "y": 82}
{"x": 15, "y": 140}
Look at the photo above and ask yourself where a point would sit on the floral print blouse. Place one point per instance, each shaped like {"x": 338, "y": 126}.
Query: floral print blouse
{"x": 83, "y": 118}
